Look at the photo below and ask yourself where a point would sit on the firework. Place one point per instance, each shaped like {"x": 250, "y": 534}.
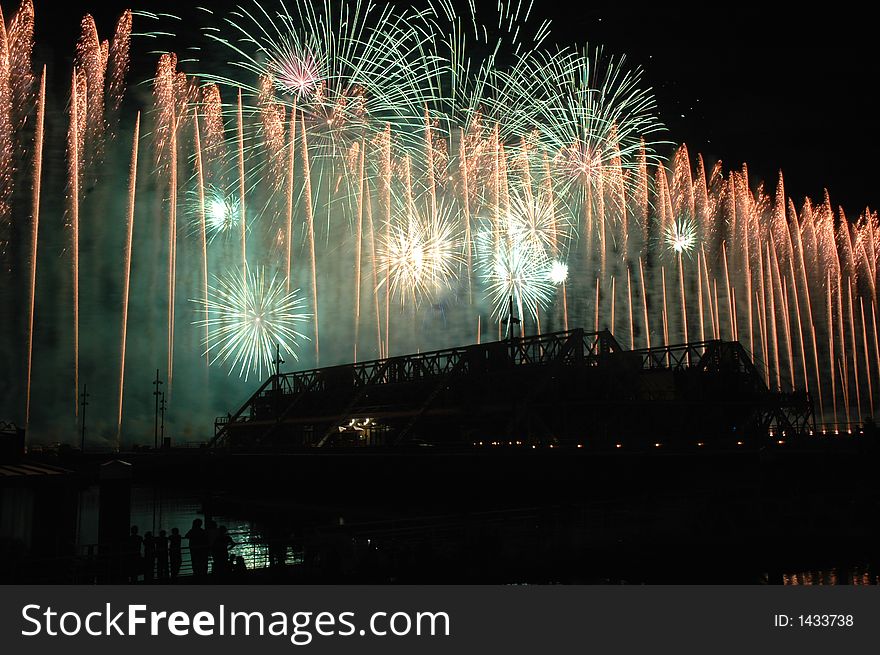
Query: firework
{"x": 534, "y": 218}
{"x": 516, "y": 268}
{"x": 421, "y": 254}
{"x": 681, "y": 236}
{"x": 429, "y": 158}
{"x": 222, "y": 214}
{"x": 248, "y": 317}
{"x": 558, "y": 272}
{"x": 346, "y": 67}
{"x": 590, "y": 112}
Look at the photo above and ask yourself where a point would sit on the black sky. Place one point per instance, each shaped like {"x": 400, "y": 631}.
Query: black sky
{"x": 788, "y": 88}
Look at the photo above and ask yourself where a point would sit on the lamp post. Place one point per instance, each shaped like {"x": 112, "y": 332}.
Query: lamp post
{"x": 85, "y": 403}
{"x": 156, "y": 383}
{"x": 162, "y": 407}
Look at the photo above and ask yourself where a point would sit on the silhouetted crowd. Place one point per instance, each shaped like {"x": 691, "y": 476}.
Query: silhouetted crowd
{"x": 159, "y": 557}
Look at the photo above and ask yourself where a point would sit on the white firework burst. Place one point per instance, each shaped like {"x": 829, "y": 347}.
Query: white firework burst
{"x": 248, "y": 316}
{"x": 681, "y": 236}
{"x": 421, "y": 254}
{"x": 513, "y": 266}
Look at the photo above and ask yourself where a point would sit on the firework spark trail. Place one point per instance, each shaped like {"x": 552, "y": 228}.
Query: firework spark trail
{"x": 746, "y": 263}
{"x": 73, "y": 164}
{"x": 465, "y": 195}
{"x": 126, "y": 284}
{"x": 596, "y": 308}
{"x": 119, "y": 60}
{"x": 172, "y": 246}
{"x": 613, "y": 299}
{"x": 91, "y": 66}
{"x": 212, "y": 106}
{"x": 809, "y": 309}
{"x": 645, "y": 304}
{"x": 241, "y": 187}
{"x": 374, "y": 267}
{"x": 787, "y": 325}
{"x": 35, "y": 232}
{"x": 717, "y": 313}
{"x": 771, "y": 318}
{"x": 831, "y": 348}
{"x": 684, "y": 316}
{"x": 867, "y": 359}
{"x": 629, "y": 304}
{"x": 600, "y": 200}
{"x": 700, "y": 298}
{"x": 310, "y": 219}
{"x": 797, "y": 313}
{"x": 731, "y": 303}
{"x": 203, "y": 228}
{"x": 429, "y": 159}
{"x": 564, "y": 306}
{"x": 763, "y": 317}
{"x": 358, "y": 247}
{"x": 843, "y": 360}
{"x": 20, "y": 53}
{"x": 6, "y": 138}
{"x": 855, "y": 352}
{"x": 876, "y": 340}
{"x": 16, "y": 82}
{"x": 169, "y": 96}
{"x": 386, "y": 203}
{"x": 780, "y": 297}
{"x": 291, "y": 166}
{"x": 712, "y": 310}
{"x": 665, "y": 307}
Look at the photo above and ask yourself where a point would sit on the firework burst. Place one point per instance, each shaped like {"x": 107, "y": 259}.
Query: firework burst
{"x": 535, "y": 219}
{"x": 421, "y": 254}
{"x": 349, "y": 66}
{"x": 681, "y": 236}
{"x": 589, "y": 111}
{"x": 558, "y": 272}
{"x": 514, "y": 267}
{"x": 222, "y": 214}
{"x": 247, "y": 317}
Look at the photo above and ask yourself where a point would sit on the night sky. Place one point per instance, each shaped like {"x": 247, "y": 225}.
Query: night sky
{"x": 776, "y": 88}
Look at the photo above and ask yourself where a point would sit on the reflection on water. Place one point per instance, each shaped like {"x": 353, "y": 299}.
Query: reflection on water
{"x": 154, "y": 509}
{"x": 857, "y": 575}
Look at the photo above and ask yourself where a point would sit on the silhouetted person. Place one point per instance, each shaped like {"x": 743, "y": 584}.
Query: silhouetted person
{"x": 198, "y": 549}
{"x": 133, "y": 563}
{"x": 277, "y": 546}
{"x": 174, "y": 552}
{"x": 149, "y": 557}
{"x": 220, "y": 550}
{"x": 161, "y": 555}
{"x": 239, "y": 568}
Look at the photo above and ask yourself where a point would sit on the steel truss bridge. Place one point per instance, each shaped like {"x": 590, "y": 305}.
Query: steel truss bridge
{"x": 571, "y": 387}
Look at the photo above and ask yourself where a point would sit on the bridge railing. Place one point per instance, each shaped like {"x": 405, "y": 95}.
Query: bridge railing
{"x": 534, "y": 350}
